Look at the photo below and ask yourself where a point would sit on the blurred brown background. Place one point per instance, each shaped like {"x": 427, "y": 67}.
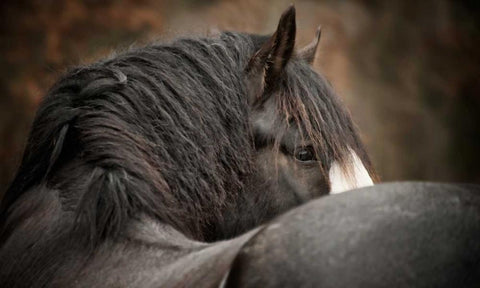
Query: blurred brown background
{"x": 408, "y": 70}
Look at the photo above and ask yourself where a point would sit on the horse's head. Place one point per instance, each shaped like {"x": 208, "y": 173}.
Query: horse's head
{"x": 305, "y": 142}
{"x": 213, "y": 136}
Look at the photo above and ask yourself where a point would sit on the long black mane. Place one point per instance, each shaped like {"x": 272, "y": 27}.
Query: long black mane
{"x": 163, "y": 131}
{"x": 134, "y": 163}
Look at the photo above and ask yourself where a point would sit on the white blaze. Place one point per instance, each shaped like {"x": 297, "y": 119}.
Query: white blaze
{"x": 341, "y": 181}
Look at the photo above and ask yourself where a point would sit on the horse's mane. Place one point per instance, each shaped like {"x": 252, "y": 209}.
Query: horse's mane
{"x": 163, "y": 131}
{"x": 309, "y": 100}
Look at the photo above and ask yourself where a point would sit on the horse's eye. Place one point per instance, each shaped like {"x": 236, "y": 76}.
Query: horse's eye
{"x": 305, "y": 154}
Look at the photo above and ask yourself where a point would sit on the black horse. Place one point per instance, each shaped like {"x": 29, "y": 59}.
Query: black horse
{"x": 159, "y": 167}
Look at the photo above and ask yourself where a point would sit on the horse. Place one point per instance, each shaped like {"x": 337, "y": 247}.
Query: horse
{"x": 197, "y": 162}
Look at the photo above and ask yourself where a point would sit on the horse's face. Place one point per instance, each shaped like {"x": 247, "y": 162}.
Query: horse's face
{"x": 305, "y": 143}
{"x": 286, "y": 158}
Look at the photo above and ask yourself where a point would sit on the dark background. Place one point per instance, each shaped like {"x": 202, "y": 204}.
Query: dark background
{"x": 408, "y": 70}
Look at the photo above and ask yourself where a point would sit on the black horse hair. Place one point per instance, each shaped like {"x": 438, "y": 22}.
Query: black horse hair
{"x": 163, "y": 131}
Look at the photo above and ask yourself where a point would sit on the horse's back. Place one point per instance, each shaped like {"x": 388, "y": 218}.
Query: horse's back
{"x": 390, "y": 235}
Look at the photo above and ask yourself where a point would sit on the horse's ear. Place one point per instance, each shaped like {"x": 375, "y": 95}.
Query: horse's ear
{"x": 308, "y": 52}
{"x": 267, "y": 64}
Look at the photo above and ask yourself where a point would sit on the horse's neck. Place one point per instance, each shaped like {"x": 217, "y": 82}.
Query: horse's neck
{"x": 151, "y": 254}
{"x": 151, "y": 232}
{"x": 146, "y": 254}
